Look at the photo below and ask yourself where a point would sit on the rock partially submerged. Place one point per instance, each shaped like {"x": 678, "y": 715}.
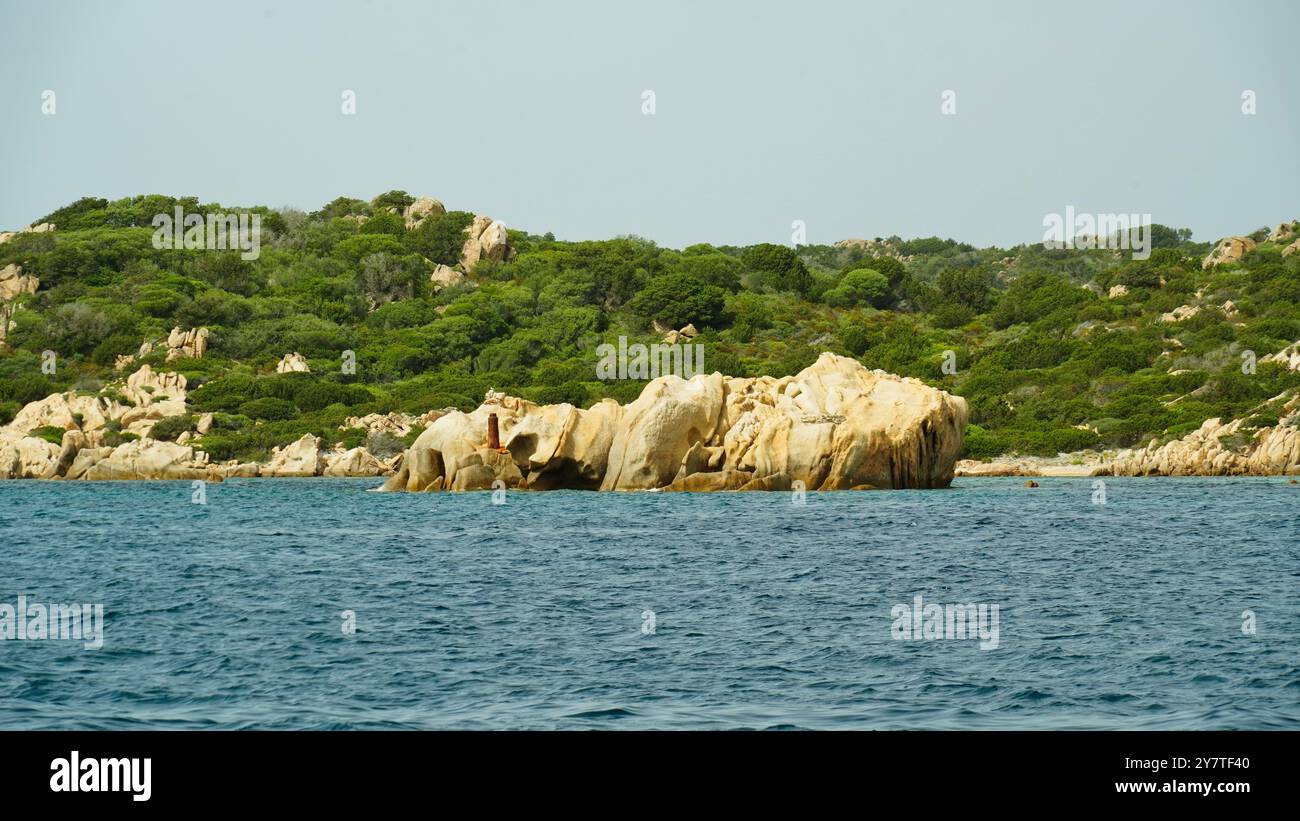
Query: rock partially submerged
{"x": 834, "y": 426}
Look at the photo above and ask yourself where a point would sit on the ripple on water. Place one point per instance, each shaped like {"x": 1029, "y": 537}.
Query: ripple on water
{"x": 576, "y": 610}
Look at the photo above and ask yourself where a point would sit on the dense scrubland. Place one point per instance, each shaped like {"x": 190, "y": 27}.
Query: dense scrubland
{"x": 1055, "y": 350}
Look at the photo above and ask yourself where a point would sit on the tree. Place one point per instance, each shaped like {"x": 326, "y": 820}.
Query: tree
{"x": 779, "y": 266}
{"x": 861, "y": 287}
{"x": 678, "y": 299}
{"x": 384, "y": 277}
{"x": 440, "y": 237}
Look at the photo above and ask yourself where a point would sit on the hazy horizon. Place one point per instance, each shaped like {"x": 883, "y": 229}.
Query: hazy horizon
{"x": 764, "y": 114}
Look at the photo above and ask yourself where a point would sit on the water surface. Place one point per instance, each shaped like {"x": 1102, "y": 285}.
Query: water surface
{"x": 767, "y": 614}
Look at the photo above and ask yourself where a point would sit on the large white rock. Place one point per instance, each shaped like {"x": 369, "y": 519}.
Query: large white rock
{"x": 835, "y": 425}
{"x": 146, "y": 386}
{"x": 301, "y": 458}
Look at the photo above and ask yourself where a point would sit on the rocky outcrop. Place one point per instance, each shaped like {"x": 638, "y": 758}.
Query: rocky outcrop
{"x": 43, "y": 228}
{"x": 28, "y": 457}
{"x": 485, "y": 238}
{"x": 301, "y": 458}
{"x": 1216, "y": 449}
{"x": 1284, "y": 231}
{"x": 146, "y": 386}
{"x": 834, "y": 426}
{"x": 144, "y": 459}
{"x": 293, "y": 363}
{"x": 1288, "y": 356}
{"x": 1291, "y": 249}
{"x": 1180, "y": 313}
{"x": 190, "y": 344}
{"x": 62, "y": 410}
{"x": 14, "y": 283}
{"x": 353, "y": 462}
{"x": 415, "y": 213}
{"x": 395, "y": 424}
{"x": 444, "y": 276}
{"x": 1229, "y": 249}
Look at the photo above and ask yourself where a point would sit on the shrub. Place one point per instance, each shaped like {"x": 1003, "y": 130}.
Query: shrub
{"x": 268, "y": 408}
{"x": 50, "y": 433}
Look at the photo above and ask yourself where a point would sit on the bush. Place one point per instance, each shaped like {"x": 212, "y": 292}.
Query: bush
{"x": 779, "y": 266}
{"x": 861, "y": 287}
{"x": 166, "y": 430}
{"x": 677, "y": 299}
{"x": 50, "y": 433}
{"x": 268, "y": 408}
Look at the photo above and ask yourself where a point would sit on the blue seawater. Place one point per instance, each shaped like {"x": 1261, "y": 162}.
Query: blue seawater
{"x": 766, "y": 614}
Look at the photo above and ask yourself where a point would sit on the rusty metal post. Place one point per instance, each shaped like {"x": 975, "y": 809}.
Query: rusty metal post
{"x": 494, "y": 436}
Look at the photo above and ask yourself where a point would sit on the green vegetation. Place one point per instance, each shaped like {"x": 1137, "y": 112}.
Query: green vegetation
{"x": 1046, "y": 360}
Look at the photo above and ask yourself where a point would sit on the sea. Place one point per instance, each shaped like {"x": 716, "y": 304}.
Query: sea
{"x": 1125, "y": 603}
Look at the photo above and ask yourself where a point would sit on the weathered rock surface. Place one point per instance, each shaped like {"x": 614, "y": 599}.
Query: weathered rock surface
{"x": 14, "y": 283}
{"x": 421, "y": 208}
{"x": 293, "y": 363}
{"x": 444, "y": 276}
{"x": 485, "y": 238}
{"x": 835, "y": 425}
{"x": 1217, "y": 449}
{"x": 301, "y": 458}
{"x": 150, "y": 459}
{"x": 1288, "y": 356}
{"x": 191, "y": 344}
{"x": 1229, "y": 249}
{"x": 354, "y": 462}
{"x": 146, "y": 386}
{"x": 43, "y": 228}
{"x": 1284, "y": 231}
{"x": 28, "y": 458}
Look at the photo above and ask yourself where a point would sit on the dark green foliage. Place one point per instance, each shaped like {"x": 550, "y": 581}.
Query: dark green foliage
{"x": 1041, "y": 359}
{"x": 780, "y": 267}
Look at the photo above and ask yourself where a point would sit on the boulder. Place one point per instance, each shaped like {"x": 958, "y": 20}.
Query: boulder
{"x": 146, "y": 386}
{"x": 62, "y": 410}
{"x": 204, "y": 424}
{"x": 834, "y": 426}
{"x": 354, "y": 462}
{"x": 29, "y": 458}
{"x": 141, "y": 419}
{"x": 1229, "y": 249}
{"x": 656, "y": 431}
{"x": 191, "y": 344}
{"x": 1180, "y": 313}
{"x": 485, "y": 238}
{"x": 14, "y": 283}
{"x": 301, "y": 458}
{"x": 151, "y": 459}
{"x": 1216, "y": 449}
{"x": 1291, "y": 249}
{"x": 415, "y": 213}
{"x": 713, "y": 481}
{"x": 293, "y": 363}
{"x": 1284, "y": 231}
{"x": 444, "y": 276}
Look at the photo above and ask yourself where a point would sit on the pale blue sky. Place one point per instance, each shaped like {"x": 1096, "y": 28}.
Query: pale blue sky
{"x": 828, "y": 112}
